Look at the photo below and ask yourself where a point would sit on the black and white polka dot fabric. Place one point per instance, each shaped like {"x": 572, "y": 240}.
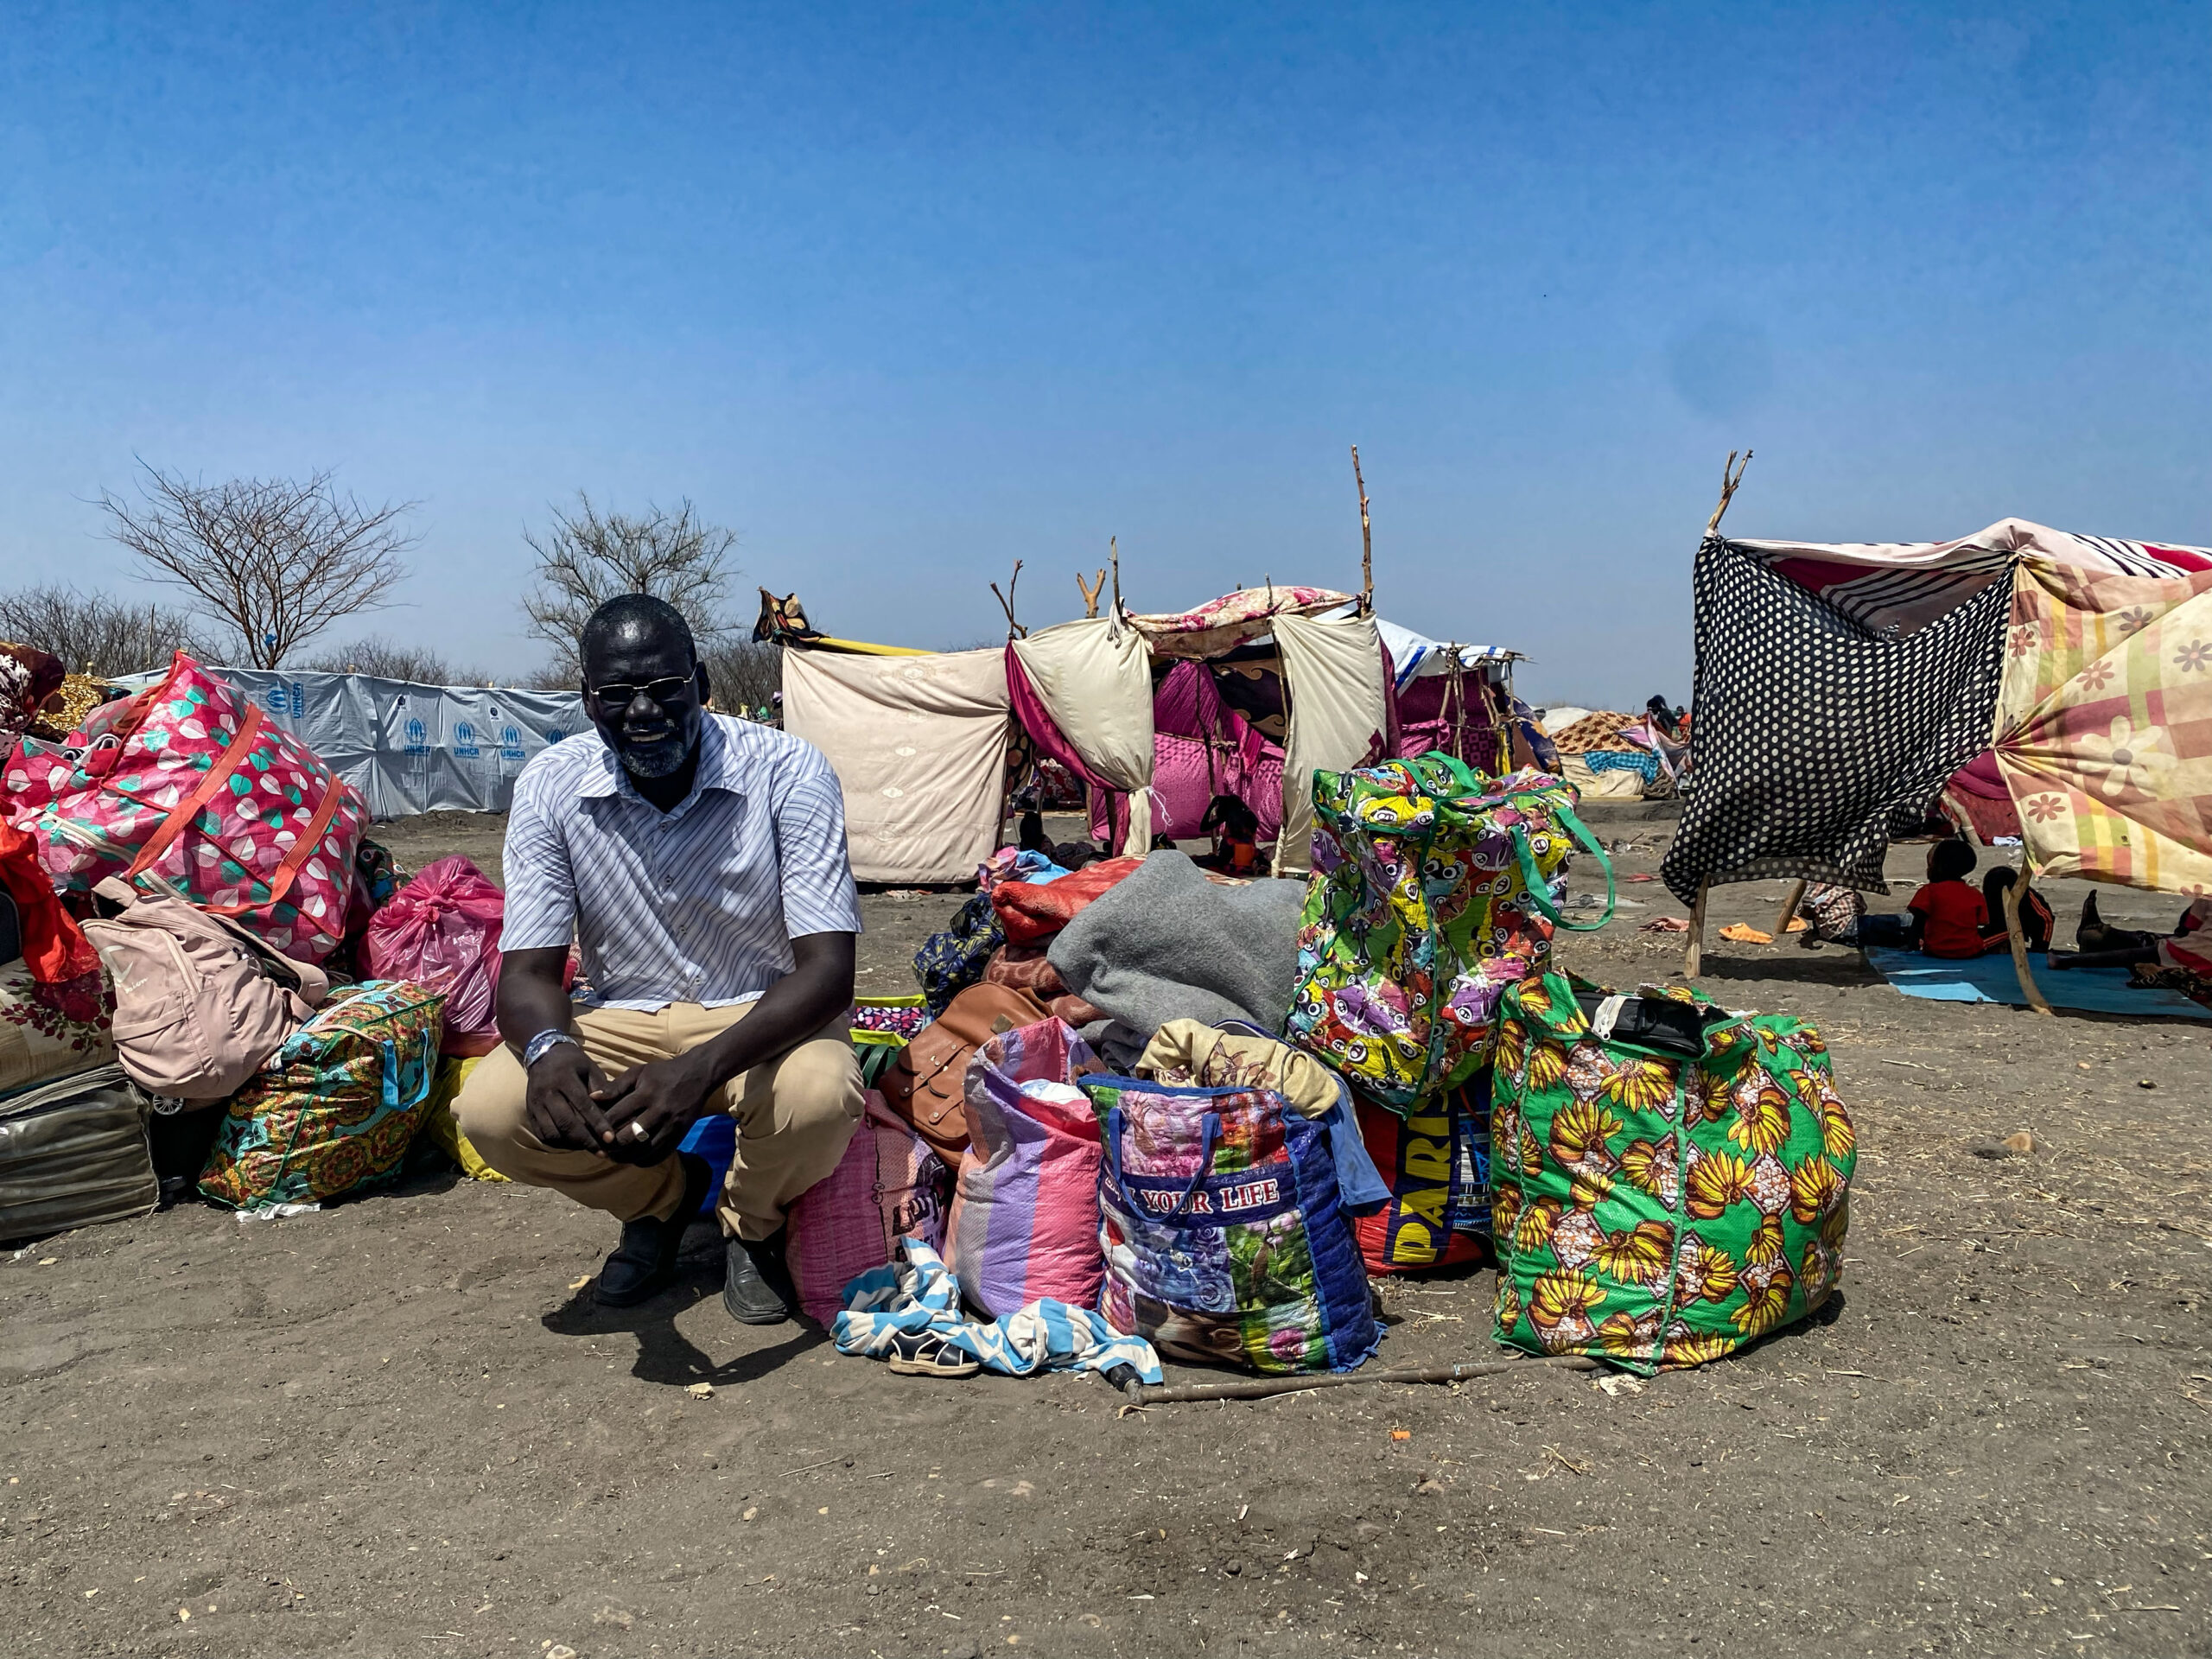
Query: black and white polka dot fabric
{"x": 1815, "y": 740}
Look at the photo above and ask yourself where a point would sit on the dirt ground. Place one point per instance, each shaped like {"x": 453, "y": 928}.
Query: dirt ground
{"x": 397, "y": 1427}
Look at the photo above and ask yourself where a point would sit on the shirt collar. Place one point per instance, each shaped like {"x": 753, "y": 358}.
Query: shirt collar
{"x": 721, "y": 767}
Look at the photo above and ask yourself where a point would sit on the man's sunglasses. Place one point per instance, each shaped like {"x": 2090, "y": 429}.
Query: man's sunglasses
{"x": 615, "y": 698}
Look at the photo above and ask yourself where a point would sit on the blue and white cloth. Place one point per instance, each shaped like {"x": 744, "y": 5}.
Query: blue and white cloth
{"x": 918, "y": 1295}
{"x": 697, "y": 905}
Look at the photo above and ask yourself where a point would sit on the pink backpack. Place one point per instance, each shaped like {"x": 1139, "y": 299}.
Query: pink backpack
{"x": 200, "y": 1004}
{"x": 189, "y": 782}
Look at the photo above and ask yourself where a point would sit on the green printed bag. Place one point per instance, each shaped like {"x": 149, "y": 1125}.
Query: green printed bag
{"x": 1670, "y": 1181}
{"x": 1433, "y": 889}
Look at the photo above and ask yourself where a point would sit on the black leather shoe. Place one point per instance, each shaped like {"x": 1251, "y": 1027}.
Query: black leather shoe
{"x": 757, "y": 1285}
{"x": 644, "y": 1263}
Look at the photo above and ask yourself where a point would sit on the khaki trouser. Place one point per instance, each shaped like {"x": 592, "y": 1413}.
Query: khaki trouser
{"x": 794, "y": 1117}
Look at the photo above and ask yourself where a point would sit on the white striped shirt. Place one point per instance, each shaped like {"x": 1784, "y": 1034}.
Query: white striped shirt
{"x": 698, "y": 904}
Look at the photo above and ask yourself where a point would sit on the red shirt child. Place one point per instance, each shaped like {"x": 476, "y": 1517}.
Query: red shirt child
{"x": 1952, "y": 916}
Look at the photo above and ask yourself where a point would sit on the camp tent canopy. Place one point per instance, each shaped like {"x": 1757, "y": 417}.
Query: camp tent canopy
{"x": 1220, "y": 625}
{"x": 919, "y": 743}
{"x": 1840, "y": 685}
{"x": 2104, "y": 724}
{"x": 1898, "y": 588}
{"x": 1084, "y": 692}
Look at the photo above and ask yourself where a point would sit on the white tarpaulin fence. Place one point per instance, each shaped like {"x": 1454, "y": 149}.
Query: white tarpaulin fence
{"x": 415, "y": 748}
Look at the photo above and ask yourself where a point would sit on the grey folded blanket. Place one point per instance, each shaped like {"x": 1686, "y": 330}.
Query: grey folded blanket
{"x": 1166, "y": 943}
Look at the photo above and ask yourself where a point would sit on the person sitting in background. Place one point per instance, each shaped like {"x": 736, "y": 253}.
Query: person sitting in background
{"x": 2037, "y": 923}
{"x": 1236, "y": 831}
{"x": 1946, "y": 919}
{"x": 700, "y": 861}
{"x": 2100, "y": 945}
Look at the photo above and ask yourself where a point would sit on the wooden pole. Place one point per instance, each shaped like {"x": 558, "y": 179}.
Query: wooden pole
{"x": 1731, "y": 475}
{"x": 1693, "y": 953}
{"x": 2035, "y": 995}
{"x": 1788, "y": 911}
{"x": 1366, "y": 542}
{"x": 1265, "y": 1387}
{"x": 1089, "y": 591}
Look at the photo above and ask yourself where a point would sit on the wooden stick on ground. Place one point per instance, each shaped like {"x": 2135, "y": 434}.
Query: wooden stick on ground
{"x": 1789, "y": 911}
{"x": 1366, "y": 542}
{"x": 1265, "y": 1387}
{"x": 1731, "y": 475}
{"x": 2036, "y": 999}
{"x": 1694, "y": 952}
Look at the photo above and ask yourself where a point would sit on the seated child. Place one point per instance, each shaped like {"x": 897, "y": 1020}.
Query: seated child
{"x": 2037, "y": 923}
{"x": 1236, "y": 831}
{"x": 1947, "y": 918}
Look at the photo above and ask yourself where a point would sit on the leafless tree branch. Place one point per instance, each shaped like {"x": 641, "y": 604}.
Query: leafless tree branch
{"x": 93, "y": 633}
{"x": 273, "y": 561}
{"x": 588, "y": 556}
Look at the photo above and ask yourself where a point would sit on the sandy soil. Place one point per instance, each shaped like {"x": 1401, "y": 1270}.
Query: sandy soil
{"x": 395, "y": 1427}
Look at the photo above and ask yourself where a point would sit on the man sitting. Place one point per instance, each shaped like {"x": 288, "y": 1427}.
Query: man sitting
{"x": 700, "y": 861}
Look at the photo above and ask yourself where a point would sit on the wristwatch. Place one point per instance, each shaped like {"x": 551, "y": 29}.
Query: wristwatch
{"x": 536, "y": 1048}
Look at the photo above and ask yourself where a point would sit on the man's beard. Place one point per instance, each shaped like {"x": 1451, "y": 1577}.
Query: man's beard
{"x": 656, "y": 759}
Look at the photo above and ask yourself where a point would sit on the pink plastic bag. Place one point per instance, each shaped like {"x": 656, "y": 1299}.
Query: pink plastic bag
{"x": 442, "y": 931}
{"x": 888, "y": 1185}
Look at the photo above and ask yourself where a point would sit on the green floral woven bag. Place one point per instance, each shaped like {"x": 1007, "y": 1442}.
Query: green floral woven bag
{"x": 1661, "y": 1199}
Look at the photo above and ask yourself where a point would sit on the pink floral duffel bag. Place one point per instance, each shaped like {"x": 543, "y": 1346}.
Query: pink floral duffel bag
{"x": 190, "y": 782}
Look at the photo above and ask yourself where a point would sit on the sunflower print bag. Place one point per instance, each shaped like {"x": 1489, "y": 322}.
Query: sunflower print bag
{"x": 1433, "y": 888}
{"x": 1652, "y": 1209}
{"x": 335, "y": 1107}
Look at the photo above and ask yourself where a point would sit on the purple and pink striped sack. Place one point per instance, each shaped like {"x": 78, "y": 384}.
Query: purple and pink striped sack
{"x": 1025, "y": 1210}
{"x": 888, "y": 1185}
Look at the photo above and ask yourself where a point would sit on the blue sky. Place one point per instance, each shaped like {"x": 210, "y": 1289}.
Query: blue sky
{"x": 904, "y": 293}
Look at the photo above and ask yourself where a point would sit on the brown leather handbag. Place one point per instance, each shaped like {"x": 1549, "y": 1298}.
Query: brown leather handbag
{"x": 926, "y": 1085}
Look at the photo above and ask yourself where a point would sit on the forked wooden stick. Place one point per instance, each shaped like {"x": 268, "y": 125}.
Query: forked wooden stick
{"x": 1090, "y": 591}
{"x": 1013, "y": 629}
{"x": 1731, "y": 475}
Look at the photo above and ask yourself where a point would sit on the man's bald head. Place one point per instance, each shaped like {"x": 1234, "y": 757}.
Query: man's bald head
{"x": 635, "y": 624}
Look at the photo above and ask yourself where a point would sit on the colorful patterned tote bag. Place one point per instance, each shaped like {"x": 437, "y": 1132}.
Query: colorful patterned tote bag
{"x": 1670, "y": 1180}
{"x": 1225, "y": 1239}
{"x": 335, "y": 1107}
{"x": 1433, "y": 889}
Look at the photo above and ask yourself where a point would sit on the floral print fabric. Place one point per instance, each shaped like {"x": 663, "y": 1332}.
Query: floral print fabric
{"x": 334, "y": 1109}
{"x": 1418, "y": 918}
{"x": 2104, "y": 725}
{"x": 1223, "y": 1237}
{"x": 51, "y": 1030}
{"x": 1655, "y": 1210}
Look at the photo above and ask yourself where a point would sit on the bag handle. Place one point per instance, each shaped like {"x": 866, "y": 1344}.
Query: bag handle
{"x": 1538, "y": 894}
{"x": 1462, "y": 773}
{"x": 1114, "y": 1125}
{"x": 185, "y": 810}
{"x": 281, "y": 878}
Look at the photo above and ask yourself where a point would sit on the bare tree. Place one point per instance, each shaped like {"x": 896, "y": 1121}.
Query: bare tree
{"x": 273, "y": 561}
{"x": 589, "y": 556}
{"x": 744, "y": 674}
{"x": 392, "y": 659}
{"x": 93, "y": 633}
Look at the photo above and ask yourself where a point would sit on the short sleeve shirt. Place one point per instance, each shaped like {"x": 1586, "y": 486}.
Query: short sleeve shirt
{"x": 1953, "y": 915}
{"x": 696, "y": 905}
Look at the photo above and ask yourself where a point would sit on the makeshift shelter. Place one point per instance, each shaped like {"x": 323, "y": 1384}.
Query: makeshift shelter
{"x": 918, "y": 742}
{"x": 1842, "y": 689}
